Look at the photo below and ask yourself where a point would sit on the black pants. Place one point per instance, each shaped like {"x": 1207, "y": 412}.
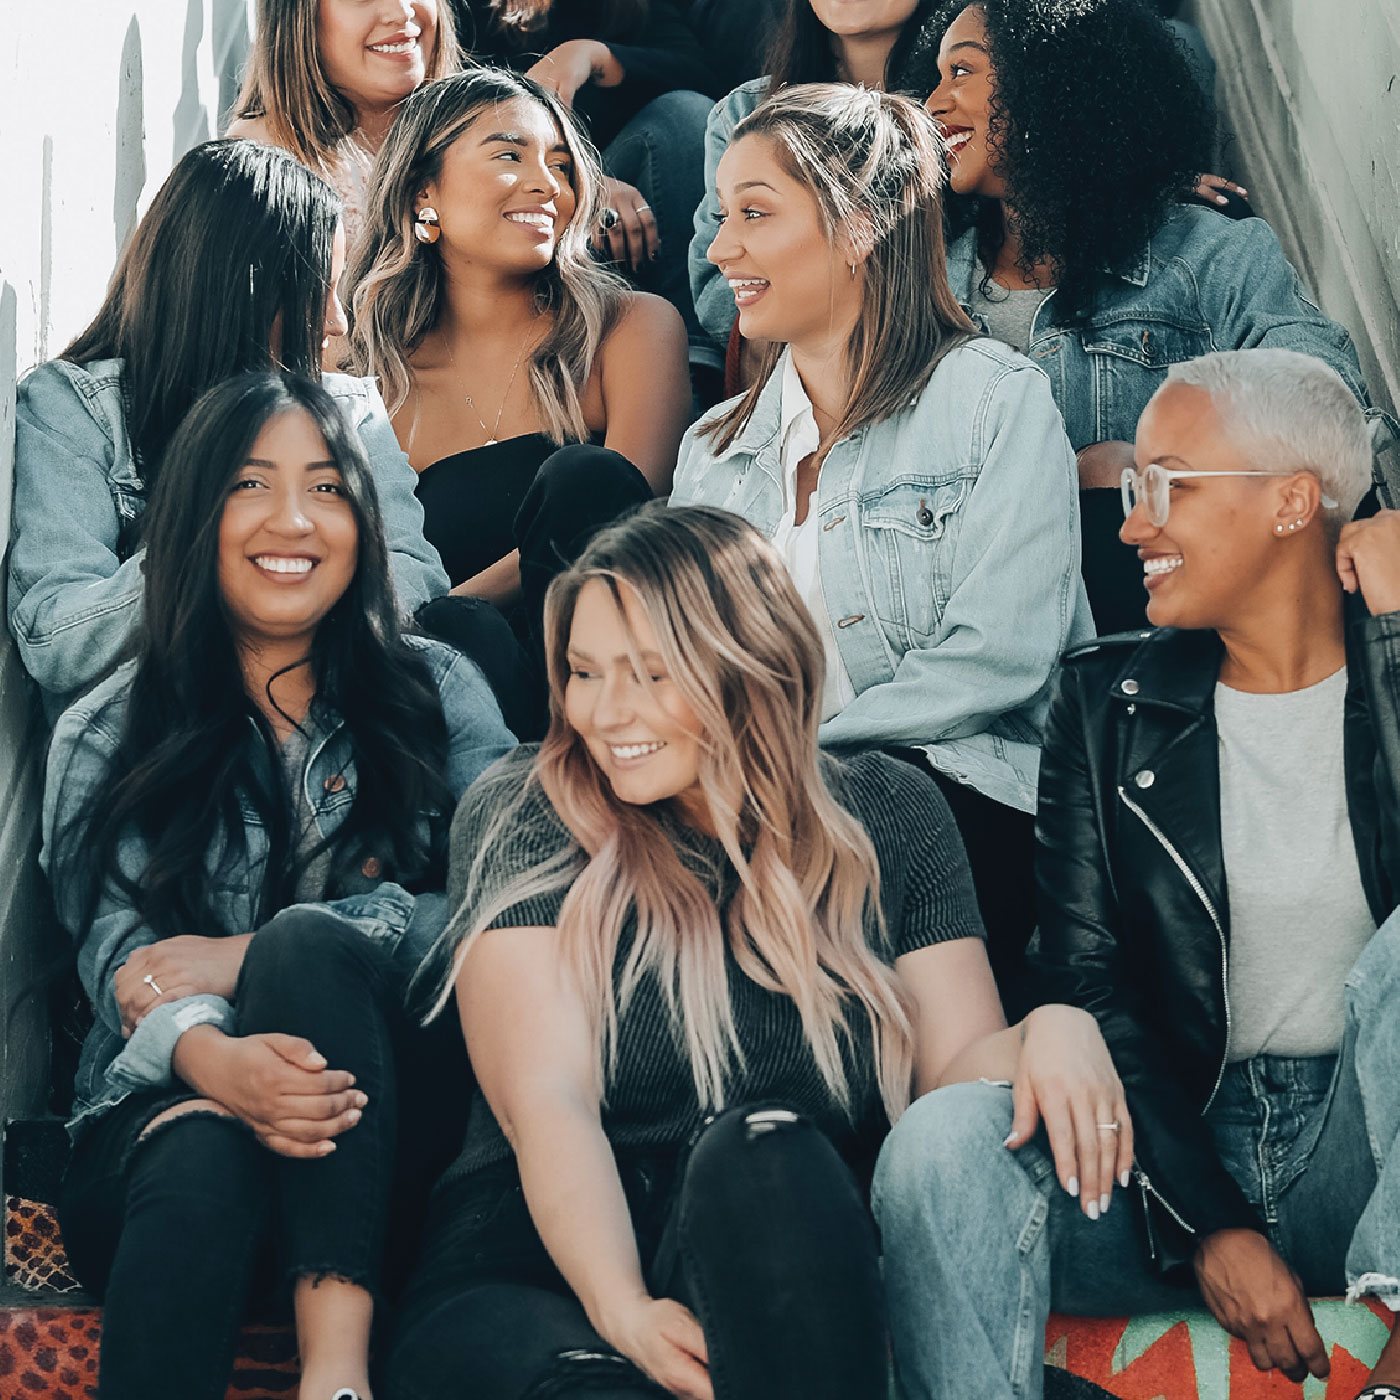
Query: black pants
{"x": 580, "y": 489}
{"x": 1000, "y": 845}
{"x": 172, "y": 1230}
{"x": 760, "y": 1230}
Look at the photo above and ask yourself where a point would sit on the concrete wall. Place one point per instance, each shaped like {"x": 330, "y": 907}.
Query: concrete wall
{"x": 1310, "y": 90}
{"x": 97, "y": 99}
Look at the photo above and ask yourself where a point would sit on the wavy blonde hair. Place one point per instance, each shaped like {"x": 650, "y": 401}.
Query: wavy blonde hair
{"x": 396, "y": 285}
{"x": 874, "y": 164}
{"x": 741, "y": 647}
{"x": 286, "y": 85}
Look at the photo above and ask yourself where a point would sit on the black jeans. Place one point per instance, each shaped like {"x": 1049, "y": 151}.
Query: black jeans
{"x": 580, "y": 489}
{"x": 171, "y": 1230}
{"x": 760, "y": 1230}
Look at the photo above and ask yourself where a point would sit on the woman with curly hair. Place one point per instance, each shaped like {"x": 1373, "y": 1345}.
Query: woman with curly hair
{"x": 1073, "y": 247}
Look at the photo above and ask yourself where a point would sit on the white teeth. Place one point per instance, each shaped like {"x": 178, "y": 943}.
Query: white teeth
{"x": 1163, "y": 564}
{"x": 544, "y": 221}
{"x": 405, "y": 46}
{"x": 276, "y": 564}
{"x": 958, "y": 140}
{"x": 741, "y": 283}
{"x": 635, "y": 750}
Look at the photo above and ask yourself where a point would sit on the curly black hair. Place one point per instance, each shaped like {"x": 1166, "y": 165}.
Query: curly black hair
{"x": 1099, "y": 125}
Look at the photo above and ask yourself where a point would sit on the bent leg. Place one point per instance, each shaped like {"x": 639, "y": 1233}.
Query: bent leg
{"x": 194, "y": 1214}
{"x": 980, "y": 1241}
{"x": 773, "y": 1248}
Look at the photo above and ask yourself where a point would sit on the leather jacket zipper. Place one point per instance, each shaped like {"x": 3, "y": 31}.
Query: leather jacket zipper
{"x": 1214, "y": 918}
{"x": 1147, "y": 1189}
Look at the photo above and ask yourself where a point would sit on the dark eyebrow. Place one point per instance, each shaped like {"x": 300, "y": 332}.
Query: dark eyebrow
{"x": 511, "y": 138}
{"x": 967, "y": 44}
{"x": 310, "y": 466}
{"x": 753, "y": 185}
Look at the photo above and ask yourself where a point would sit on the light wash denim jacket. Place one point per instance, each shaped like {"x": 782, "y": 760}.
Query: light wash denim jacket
{"x": 84, "y": 741}
{"x": 949, "y": 560}
{"x": 73, "y": 600}
{"x": 714, "y": 302}
{"x": 1204, "y": 283}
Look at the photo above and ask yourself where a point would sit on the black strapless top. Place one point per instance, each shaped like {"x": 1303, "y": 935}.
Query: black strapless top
{"x": 470, "y": 500}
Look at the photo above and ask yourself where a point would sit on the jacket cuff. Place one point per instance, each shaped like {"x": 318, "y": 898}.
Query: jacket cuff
{"x": 145, "y": 1059}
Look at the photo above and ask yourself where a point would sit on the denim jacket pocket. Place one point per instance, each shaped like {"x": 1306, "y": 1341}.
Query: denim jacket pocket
{"x": 1130, "y": 355}
{"x": 912, "y": 528}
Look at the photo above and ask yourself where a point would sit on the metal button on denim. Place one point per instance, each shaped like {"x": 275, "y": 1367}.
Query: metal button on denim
{"x": 1145, "y": 778}
{"x": 1129, "y": 687}
{"x": 371, "y": 868}
{"x": 334, "y": 783}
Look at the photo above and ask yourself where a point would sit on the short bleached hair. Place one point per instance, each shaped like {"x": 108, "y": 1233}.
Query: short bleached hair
{"x": 1289, "y": 412}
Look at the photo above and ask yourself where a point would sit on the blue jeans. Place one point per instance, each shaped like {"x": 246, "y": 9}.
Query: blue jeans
{"x": 980, "y": 1243}
{"x": 662, "y": 152}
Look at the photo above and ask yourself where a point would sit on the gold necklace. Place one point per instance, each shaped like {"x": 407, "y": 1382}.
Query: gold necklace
{"x": 490, "y": 432}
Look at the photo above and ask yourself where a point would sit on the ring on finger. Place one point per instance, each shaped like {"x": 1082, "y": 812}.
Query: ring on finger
{"x": 641, "y": 208}
{"x": 609, "y": 217}
{"x": 1114, "y": 1127}
{"x": 150, "y": 981}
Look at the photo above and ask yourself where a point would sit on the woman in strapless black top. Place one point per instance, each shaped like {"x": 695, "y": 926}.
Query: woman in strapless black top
{"x": 534, "y": 392}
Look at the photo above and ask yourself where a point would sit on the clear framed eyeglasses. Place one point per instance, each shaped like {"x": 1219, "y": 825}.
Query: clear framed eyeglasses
{"x": 1152, "y": 488}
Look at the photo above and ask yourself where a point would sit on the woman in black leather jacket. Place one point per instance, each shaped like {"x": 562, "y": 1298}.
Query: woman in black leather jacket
{"x": 1217, "y": 866}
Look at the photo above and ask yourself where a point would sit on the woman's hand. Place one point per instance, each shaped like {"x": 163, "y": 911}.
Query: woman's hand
{"x": 1368, "y": 558}
{"x": 1255, "y": 1296}
{"x": 1065, "y": 1077}
{"x": 663, "y": 1338}
{"x": 1213, "y": 187}
{"x": 178, "y": 967}
{"x": 633, "y": 237}
{"x": 278, "y": 1084}
{"x": 565, "y": 69}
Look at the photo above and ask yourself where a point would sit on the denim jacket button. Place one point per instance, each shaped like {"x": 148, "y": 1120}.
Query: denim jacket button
{"x": 371, "y": 868}
{"x": 852, "y": 620}
{"x": 335, "y": 783}
{"x": 1129, "y": 687}
{"x": 1145, "y": 778}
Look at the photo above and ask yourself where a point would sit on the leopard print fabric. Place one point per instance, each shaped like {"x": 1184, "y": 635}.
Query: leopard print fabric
{"x": 34, "y": 1255}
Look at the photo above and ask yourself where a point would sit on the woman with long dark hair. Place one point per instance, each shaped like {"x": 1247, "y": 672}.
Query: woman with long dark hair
{"x": 700, "y": 965}
{"x": 233, "y": 268}
{"x": 1078, "y": 252}
{"x": 245, "y": 828}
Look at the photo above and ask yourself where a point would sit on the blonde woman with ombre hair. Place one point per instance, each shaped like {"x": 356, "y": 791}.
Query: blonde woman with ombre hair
{"x": 535, "y": 393}
{"x": 700, "y": 967}
{"x": 325, "y": 77}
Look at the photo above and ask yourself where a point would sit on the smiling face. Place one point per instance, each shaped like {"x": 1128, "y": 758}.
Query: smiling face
{"x": 375, "y": 52}
{"x": 962, "y": 105}
{"x": 791, "y": 281}
{"x": 1219, "y": 544}
{"x": 640, "y": 730}
{"x": 288, "y": 541}
{"x": 505, "y": 192}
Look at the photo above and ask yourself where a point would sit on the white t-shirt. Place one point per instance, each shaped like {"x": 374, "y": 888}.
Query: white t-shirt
{"x": 798, "y": 544}
{"x": 1298, "y": 914}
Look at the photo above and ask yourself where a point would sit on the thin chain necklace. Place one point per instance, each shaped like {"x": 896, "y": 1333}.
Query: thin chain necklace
{"x": 491, "y": 438}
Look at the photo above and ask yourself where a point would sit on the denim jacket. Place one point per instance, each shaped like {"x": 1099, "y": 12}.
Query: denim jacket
{"x": 74, "y": 600}
{"x": 1204, "y": 283}
{"x": 949, "y": 560}
{"x": 84, "y": 741}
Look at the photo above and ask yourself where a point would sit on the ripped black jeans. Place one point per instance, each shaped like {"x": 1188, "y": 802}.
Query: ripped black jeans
{"x": 178, "y": 1231}
{"x": 760, "y": 1230}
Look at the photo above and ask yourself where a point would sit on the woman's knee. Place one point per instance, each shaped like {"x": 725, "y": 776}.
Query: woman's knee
{"x": 201, "y": 1161}
{"x": 302, "y": 945}
{"x": 947, "y": 1147}
{"x": 578, "y": 477}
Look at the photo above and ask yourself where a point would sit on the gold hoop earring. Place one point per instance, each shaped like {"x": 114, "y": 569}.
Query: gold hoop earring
{"x": 426, "y": 228}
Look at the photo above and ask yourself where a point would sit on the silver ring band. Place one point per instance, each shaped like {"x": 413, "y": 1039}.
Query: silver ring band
{"x": 151, "y": 982}
{"x": 1110, "y": 1127}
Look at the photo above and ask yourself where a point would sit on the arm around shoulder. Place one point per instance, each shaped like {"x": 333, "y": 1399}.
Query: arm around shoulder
{"x": 646, "y": 387}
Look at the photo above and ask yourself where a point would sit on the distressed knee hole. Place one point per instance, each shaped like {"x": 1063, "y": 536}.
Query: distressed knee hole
{"x": 206, "y": 1107}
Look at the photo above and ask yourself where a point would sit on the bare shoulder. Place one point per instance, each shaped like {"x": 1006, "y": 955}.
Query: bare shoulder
{"x": 647, "y": 325}
{"x": 251, "y": 129}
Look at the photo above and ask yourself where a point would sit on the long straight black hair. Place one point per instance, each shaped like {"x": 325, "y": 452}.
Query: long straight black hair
{"x": 184, "y": 765}
{"x": 234, "y": 253}
{"x": 801, "y": 49}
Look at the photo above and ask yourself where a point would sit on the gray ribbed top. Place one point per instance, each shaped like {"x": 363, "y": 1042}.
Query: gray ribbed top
{"x": 925, "y": 890}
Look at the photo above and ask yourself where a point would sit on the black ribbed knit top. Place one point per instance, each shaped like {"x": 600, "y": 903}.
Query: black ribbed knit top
{"x": 925, "y": 891}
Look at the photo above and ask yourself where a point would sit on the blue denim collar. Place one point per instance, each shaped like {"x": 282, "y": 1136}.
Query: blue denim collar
{"x": 962, "y": 267}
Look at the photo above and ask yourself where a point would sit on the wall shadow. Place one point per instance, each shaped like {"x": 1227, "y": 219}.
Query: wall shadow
{"x": 130, "y": 163}
{"x": 191, "y": 117}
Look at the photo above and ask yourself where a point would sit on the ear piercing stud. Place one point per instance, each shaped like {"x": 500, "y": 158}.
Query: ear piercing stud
{"x": 1279, "y": 529}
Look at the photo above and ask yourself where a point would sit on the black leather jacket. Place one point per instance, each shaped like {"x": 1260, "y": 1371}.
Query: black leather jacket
{"x": 1133, "y": 912}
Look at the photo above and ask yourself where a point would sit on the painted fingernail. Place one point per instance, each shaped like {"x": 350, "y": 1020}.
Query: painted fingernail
{"x": 1124, "y": 1180}
{"x": 1072, "y": 1186}
{"x": 1221, "y": 199}
{"x": 360, "y": 1099}
{"x": 325, "y": 1147}
{"x": 316, "y": 1058}
{"x": 1010, "y": 1138}
{"x": 1103, "y": 1203}
{"x": 353, "y": 1116}
{"x": 1092, "y": 1210}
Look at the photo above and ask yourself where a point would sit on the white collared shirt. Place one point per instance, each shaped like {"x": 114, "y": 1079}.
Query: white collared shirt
{"x": 801, "y": 437}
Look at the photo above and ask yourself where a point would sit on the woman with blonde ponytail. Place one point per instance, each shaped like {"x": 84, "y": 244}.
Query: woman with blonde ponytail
{"x": 700, "y": 967}
{"x": 915, "y": 477}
